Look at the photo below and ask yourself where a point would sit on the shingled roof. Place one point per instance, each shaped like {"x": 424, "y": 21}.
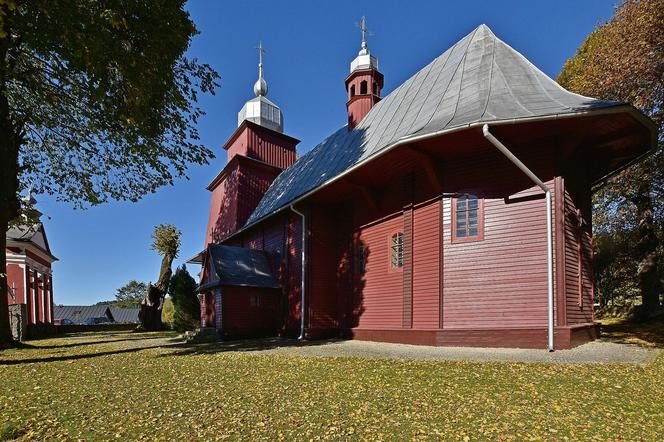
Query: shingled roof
{"x": 480, "y": 79}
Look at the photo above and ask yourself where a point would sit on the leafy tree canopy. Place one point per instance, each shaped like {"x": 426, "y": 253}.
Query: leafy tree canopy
{"x": 623, "y": 60}
{"x": 97, "y": 102}
{"x": 103, "y": 96}
{"x": 131, "y": 294}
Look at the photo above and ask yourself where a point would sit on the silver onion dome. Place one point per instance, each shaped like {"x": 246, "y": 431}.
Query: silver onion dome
{"x": 260, "y": 87}
{"x": 260, "y": 110}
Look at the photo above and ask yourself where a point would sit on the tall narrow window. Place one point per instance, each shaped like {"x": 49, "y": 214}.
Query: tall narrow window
{"x": 352, "y": 91}
{"x": 360, "y": 259}
{"x": 363, "y": 87}
{"x": 396, "y": 250}
{"x": 467, "y": 218}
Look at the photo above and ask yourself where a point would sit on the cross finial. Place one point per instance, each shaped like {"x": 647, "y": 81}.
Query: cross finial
{"x": 261, "y": 50}
{"x": 365, "y": 32}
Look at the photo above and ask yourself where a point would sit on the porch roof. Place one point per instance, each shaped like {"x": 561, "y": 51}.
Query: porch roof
{"x": 239, "y": 267}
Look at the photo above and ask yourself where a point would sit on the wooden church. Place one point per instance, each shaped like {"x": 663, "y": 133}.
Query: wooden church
{"x": 454, "y": 211}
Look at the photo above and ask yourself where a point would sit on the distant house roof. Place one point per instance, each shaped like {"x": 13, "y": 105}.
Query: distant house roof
{"x": 237, "y": 266}
{"x": 79, "y": 313}
{"x": 480, "y": 79}
{"x": 125, "y": 315}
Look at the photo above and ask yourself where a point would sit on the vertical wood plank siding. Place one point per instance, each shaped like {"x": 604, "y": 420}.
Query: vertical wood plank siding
{"x": 381, "y": 298}
{"x": 426, "y": 282}
{"x": 322, "y": 306}
{"x": 408, "y": 267}
{"x": 583, "y": 312}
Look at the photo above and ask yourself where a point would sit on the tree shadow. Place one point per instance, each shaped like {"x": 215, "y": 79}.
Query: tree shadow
{"x": 646, "y": 334}
{"x": 76, "y": 356}
{"x": 28, "y": 346}
{"x": 243, "y": 345}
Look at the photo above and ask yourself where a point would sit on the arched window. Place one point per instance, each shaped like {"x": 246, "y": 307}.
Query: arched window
{"x": 375, "y": 88}
{"x": 363, "y": 87}
{"x": 467, "y": 218}
{"x": 396, "y": 250}
{"x": 352, "y": 91}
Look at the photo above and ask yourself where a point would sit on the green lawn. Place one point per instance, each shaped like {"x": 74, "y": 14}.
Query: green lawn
{"x": 101, "y": 386}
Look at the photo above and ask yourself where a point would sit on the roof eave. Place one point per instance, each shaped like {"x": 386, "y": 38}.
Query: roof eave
{"x": 618, "y": 108}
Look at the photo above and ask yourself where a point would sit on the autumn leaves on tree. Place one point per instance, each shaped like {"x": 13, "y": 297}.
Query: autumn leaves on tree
{"x": 623, "y": 60}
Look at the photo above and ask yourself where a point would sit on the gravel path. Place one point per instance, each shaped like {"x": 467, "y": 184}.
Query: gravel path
{"x": 597, "y": 352}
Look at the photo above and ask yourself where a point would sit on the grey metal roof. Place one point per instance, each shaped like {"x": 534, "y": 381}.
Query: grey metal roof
{"x": 237, "y": 266}
{"x": 125, "y": 315}
{"x": 79, "y": 313}
{"x": 480, "y": 79}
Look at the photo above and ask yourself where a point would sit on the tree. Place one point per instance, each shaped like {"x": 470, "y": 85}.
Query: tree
{"x": 166, "y": 241}
{"x": 131, "y": 294}
{"x": 97, "y": 102}
{"x": 624, "y": 60}
{"x": 167, "y": 311}
{"x": 185, "y": 302}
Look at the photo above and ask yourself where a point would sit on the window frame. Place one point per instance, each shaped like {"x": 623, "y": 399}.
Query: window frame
{"x": 359, "y": 257}
{"x": 480, "y": 218}
{"x": 390, "y": 237}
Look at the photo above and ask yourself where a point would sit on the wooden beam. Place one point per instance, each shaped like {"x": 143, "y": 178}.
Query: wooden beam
{"x": 428, "y": 164}
{"x": 369, "y": 194}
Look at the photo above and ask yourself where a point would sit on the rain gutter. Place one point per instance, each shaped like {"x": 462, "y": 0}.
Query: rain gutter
{"x": 549, "y": 226}
{"x": 303, "y": 270}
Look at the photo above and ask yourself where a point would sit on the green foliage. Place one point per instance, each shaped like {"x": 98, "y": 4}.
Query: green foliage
{"x": 105, "y": 96}
{"x": 105, "y": 390}
{"x": 185, "y": 302}
{"x": 166, "y": 240}
{"x": 623, "y": 60}
{"x": 167, "y": 311}
{"x": 131, "y": 294}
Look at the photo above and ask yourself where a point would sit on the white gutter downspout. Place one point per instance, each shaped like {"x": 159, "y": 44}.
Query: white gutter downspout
{"x": 549, "y": 228}
{"x": 302, "y": 276}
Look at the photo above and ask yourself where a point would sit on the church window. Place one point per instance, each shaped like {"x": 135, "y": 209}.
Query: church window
{"x": 352, "y": 91}
{"x": 363, "y": 87}
{"x": 360, "y": 259}
{"x": 375, "y": 88}
{"x": 396, "y": 250}
{"x": 467, "y": 218}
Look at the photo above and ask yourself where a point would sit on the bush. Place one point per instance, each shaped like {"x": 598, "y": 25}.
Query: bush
{"x": 186, "y": 310}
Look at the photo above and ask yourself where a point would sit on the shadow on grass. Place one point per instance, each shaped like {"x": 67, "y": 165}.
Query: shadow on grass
{"x": 649, "y": 334}
{"x": 76, "y": 356}
{"x": 243, "y": 345}
{"x": 80, "y": 344}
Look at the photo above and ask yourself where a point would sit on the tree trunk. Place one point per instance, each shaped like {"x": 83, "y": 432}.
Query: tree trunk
{"x": 646, "y": 247}
{"x": 150, "y": 313}
{"x": 10, "y": 141}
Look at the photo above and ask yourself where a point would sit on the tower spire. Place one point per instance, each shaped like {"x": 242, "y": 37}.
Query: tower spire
{"x": 365, "y": 32}
{"x": 260, "y": 88}
{"x": 259, "y": 109}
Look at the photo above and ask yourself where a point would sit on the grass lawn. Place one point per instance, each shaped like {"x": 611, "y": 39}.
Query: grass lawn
{"x": 130, "y": 386}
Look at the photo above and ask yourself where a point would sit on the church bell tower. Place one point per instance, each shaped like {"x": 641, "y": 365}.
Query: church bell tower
{"x": 364, "y": 83}
{"x": 257, "y": 152}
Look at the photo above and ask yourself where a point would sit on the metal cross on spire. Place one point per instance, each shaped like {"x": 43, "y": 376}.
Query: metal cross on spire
{"x": 261, "y": 50}
{"x": 365, "y": 32}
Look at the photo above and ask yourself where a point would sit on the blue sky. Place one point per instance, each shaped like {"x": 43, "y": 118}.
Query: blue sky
{"x": 309, "y": 47}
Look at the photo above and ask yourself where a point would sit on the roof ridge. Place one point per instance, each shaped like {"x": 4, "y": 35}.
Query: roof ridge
{"x": 521, "y": 92}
